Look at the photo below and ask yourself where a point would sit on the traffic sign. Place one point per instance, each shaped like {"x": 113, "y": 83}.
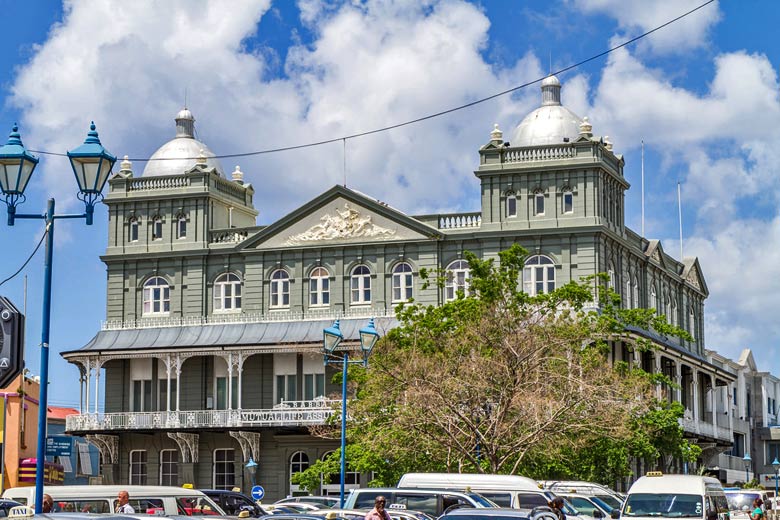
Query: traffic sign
{"x": 258, "y": 492}
{"x": 11, "y": 342}
{"x": 59, "y": 446}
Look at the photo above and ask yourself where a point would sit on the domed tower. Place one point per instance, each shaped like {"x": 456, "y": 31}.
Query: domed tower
{"x": 552, "y": 174}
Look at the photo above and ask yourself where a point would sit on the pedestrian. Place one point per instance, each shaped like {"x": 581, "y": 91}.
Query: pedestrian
{"x": 758, "y": 511}
{"x": 378, "y": 513}
{"x": 556, "y": 504}
{"x": 48, "y": 504}
{"x": 123, "y": 505}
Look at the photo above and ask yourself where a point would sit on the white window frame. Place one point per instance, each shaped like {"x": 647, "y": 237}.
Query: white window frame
{"x": 539, "y": 200}
{"x": 157, "y": 228}
{"x": 156, "y": 292}
{"x": 229, "y": 461}
{"x": 138, "y": 478}
{"x": 132, "y": 232}
{"x": 635, "y": 299}
{"x": 227, "y": 293}
{"x": 611, "y": 276}
{"x": 280, "y": 289}
{"x": 296, "y": 465}
{"x": 628, "y": 298}
{"x": 654, "y": 300}
{"x": 511, "y": 205}
{"x": 141, "y": 406}
{"x": 170, "y": 477}
{"x": 531, "y": 275}
{"x": 456, "y": 279}
{"x": 319, "y": 287}
{"x": 567, "y": 201}
{"x": 181, "y": 227}
{"x": 359, "y": 285}
{"x": 403, "y": 282}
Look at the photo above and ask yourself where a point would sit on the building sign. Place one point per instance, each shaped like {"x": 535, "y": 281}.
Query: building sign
{"x": 59, "y": 446}
{"x": 53, "y": 474}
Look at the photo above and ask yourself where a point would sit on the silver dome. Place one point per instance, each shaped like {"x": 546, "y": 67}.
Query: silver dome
{"x": 180, "y": 153}
{"x": 549, "y": 124}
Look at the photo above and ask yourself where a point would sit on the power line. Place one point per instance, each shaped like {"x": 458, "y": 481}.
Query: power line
{"x": 45, "y": 232}
{"x": 426, "y": 117}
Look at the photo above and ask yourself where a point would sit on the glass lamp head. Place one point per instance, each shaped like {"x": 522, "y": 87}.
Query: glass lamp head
{"x": 368, "y": 337}
{"x": 332, "y": 336}
{"x": 91, "y": 164}
{"x": 16, "y": 165}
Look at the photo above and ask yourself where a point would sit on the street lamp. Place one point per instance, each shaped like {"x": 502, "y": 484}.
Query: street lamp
{"x": 332, "y": 337}
{"x": 747, "y": 460}
{"x": 92, "y": 165}
{"x": 776, "y": 467}
{"x": 251, "y": 468}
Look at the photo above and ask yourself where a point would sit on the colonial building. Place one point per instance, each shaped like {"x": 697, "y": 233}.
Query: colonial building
{"x": 211, "y": 351}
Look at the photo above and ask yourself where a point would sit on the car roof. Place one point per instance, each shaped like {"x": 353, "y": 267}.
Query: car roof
{"x": 488, "y": 511}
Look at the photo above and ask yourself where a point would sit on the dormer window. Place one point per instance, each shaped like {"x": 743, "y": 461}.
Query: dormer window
{"x": 539, "y": 204}
{"x": 157, "y": 228}
{"x": 511, "y": 205}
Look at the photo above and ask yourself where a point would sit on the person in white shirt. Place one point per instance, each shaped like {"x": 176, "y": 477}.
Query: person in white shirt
{"x": 123, "y": 505}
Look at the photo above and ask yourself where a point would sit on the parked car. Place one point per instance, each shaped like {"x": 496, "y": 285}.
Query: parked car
{"x": 594, "y": 506}
{"x": 6, "y": 505}
{"x": 233, "y": 502}
{"x": 591, "y": 489}
{"x": 741, "y": 502}
{"x": 499, "y": 514}
{"x": 675, "y": 496}
{"x": 430, "y": 501}
{"x": 325, "y": 501}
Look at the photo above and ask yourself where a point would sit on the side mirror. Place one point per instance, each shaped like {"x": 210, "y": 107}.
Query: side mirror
{"x": 615, "y": 514}
{"x": 597, "y": 513}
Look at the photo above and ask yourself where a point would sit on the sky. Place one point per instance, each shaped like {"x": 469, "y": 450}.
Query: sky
{"x": 703, "y": 95}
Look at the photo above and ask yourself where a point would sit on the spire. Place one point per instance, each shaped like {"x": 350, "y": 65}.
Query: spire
{"x": 551, "y": 91}
{"x": 185, "y": 123}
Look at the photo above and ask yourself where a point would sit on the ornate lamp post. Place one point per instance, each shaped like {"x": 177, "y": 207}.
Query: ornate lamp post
{"x": 748, "y": 461}
{"x": 251, "y": 468}
{"x": 332, "y": 337}
{"x": 91, "y": 165}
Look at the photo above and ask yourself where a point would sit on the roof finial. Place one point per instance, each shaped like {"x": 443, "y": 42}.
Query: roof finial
{"x": 607, "y": 143}
{"x": 238, "y": 175}
{"x": 202, "y": 159}
{"x": 586, "y": 128}
{"x": 496, "y": 135}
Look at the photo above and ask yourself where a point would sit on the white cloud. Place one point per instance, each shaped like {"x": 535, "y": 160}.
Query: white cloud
{"x": 635, "y": 17}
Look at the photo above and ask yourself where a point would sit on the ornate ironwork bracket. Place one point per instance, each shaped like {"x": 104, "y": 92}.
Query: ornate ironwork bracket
{"x": 108, "y": 445}
{"x": 188, "y": 445}
{"x": 249, "y": 442}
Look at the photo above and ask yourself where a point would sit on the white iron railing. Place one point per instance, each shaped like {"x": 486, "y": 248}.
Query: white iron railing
{"x": 287, "y": 413}
{"x": 459, "y": 221}
{"x": 545, "y": 153}
{"x": 159, "y": 183}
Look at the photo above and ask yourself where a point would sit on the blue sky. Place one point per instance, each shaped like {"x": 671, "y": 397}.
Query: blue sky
{"x": 703, "y": 94}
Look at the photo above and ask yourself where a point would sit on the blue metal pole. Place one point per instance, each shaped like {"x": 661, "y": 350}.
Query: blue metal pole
{"x": 343, "y": 428}
{"x": 45, "y": 322}
{"x": 774, "y": 500}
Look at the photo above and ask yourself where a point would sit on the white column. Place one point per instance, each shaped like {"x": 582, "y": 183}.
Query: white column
{"x": 89, "y": 369}
{"x": 168, "y": 385}
{"x": 97, "y": 386}
{"x": 230, "y": 382}
{"x": 178, "y": 380}
{"x": 695, "y": 397}
{"x": 714, "y": 406}
{"x": 678, "y": 379}
{"x": 657, "y": 369}
{"x": 240, "y": 367}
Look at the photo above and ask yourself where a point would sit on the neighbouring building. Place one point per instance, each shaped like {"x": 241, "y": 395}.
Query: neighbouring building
{"x": 211, "y": 348}
{"x": 82, "y": 465}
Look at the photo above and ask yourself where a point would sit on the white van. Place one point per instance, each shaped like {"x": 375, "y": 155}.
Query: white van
{"x": 152, "y": 500}
{"x": 505, "y": 490}
{"x": 676, "y": 496}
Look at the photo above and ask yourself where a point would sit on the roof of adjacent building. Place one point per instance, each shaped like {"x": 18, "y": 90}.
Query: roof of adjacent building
{"x": 59, "y": 412}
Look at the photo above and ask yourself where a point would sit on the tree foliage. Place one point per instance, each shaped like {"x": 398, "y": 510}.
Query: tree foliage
{"x": 499, "y": 381}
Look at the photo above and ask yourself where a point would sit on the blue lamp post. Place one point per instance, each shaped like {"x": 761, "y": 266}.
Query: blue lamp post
{"x": 747, "y": 460}
{"x": 332, "y": 337}
{"x": 92, "y": 165}
{"x": 251, "y": 468}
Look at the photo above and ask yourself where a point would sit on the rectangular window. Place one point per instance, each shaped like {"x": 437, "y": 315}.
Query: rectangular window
{"x": 568, "y": 202}
{"x": 138, "y": 468}
{"x": 224, "y": 469}
{"x": 182, "y": 227}
{"x": 286, "y": 386}
{"x": 169, "y": 468}
{"x": 222, "y": 393}
{"x": 141, "y": 395}
{"x": 133, "y": 230}
{"x": 539, "y": 204}
{"x": 157, "y": 229}
{"x": 772, "y": 451}
{"x": 511, "y": 206}
{"x": 313, "y": 386}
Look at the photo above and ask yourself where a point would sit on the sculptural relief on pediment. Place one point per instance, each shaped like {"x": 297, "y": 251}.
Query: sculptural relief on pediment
{"x": 342, "y": 224}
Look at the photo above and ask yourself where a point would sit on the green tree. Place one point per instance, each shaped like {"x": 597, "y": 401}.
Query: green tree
{"x": 498, "y": 380}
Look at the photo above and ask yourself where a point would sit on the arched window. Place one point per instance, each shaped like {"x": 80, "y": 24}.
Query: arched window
{"x": 539, "y": 275}
{"x": 157, "y": 296}
{"x": 319, "y": 288}
{"x": 568, "y": 201}
{"x": 628, "y": 297}
{"x": 360, "y": 285}
{"x": 403, "y": 282}
{"x": 611, "y": 275}
{"x": 132, "y": 233}
{"x": 539, "y": 204}
{"x": 351, "y": 480}
{"x": 181, "y": 227}
{"x": 299, "y": 461}
{"x": 227, "y": 293}
{"x": 636, "y": 293}
{"x": 691, "y": 322}
{"x": 654, "y": 299}
{"x": 224, "y": 469}
{"x": 137, "y": 468}
{"x": 458, "y": 274}
{"x": 157, "y": 228}
{"x": 280, "y": 289}
{"x": 511, "y": 204}
{"x": 169, "y": 467}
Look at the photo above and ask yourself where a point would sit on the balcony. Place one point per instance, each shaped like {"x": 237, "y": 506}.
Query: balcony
{"x": 289, "y": 413}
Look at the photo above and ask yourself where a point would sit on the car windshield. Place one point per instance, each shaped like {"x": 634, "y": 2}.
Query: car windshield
{"x": 611, "y": 501}
{"x": 603, "y": 504}
{"x": 479, "y": 499}
{"x": 742, "y": 501}
{"x": 667, "y": 505}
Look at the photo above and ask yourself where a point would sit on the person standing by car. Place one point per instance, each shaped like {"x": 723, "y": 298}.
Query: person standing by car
{"x": 758, "y": 511}
{"x": 48, "y": 504}
{"x": 556, "y": 504}
{"x": 123, "y": 506}
{"x": 378, "y": 513}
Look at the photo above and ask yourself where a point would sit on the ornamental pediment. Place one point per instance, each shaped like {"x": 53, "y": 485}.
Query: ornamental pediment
{"x": 339, "y": 221}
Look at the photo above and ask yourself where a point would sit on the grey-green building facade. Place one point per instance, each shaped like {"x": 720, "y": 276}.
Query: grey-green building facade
{"x": 211, "y": 351}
